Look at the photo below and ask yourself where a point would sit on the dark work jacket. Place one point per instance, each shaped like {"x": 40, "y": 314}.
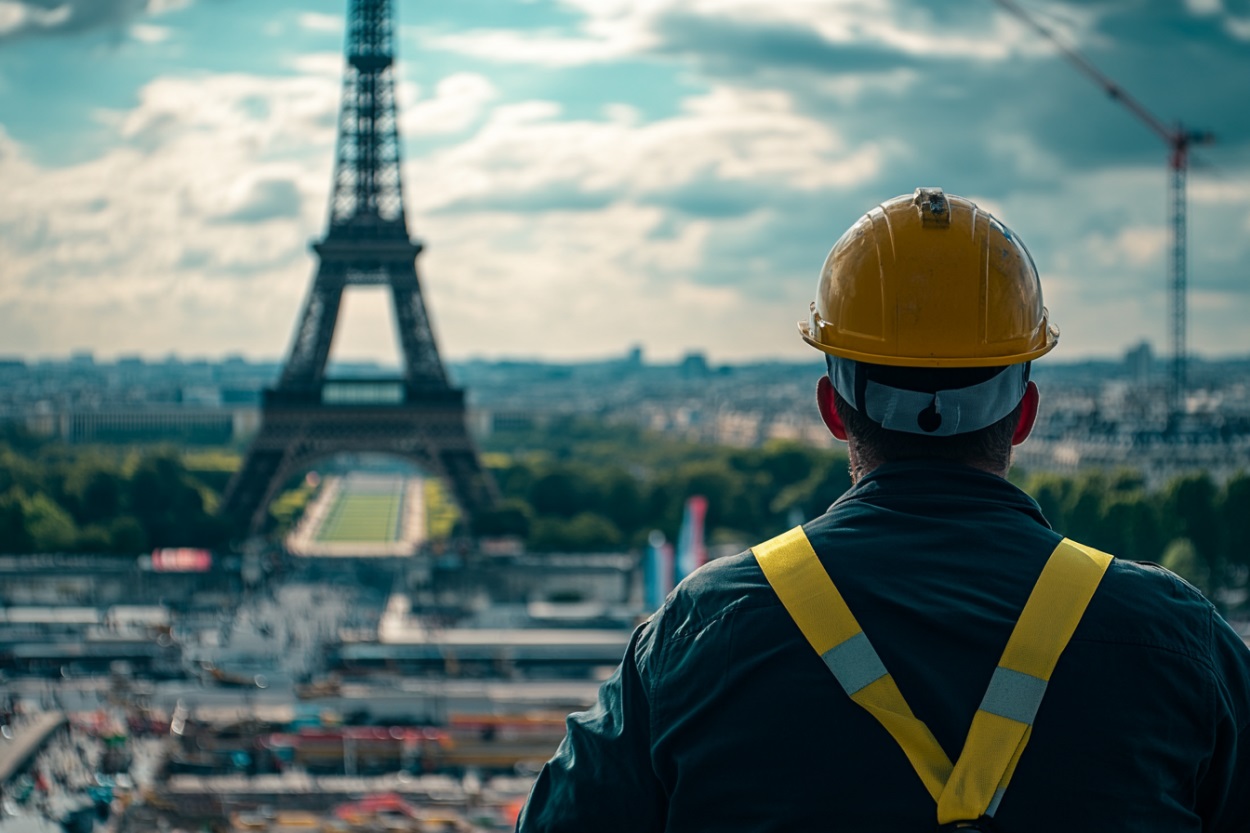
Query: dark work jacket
{"x": 722, "y": 718}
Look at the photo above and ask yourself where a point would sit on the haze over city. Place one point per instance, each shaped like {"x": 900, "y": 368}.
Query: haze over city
{"x": 589, "y": 176}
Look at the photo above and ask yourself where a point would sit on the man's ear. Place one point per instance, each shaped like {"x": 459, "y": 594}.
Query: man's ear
{"x": 1028, "y": 414}
{"x": 824, "y": 401}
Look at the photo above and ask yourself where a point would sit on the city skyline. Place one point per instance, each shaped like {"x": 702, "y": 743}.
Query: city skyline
{"x": 589, "y": 176}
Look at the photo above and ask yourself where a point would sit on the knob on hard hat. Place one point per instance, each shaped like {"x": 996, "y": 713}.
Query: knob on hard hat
{"x": 930, "y": 280}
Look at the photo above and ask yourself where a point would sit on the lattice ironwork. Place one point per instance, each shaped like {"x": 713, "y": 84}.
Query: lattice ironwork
{"x": 366, "y": 244}
{"x": 1178, "y": 291}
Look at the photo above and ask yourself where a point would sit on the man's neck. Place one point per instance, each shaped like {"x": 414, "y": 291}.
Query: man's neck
{"x": 862, "y": 465}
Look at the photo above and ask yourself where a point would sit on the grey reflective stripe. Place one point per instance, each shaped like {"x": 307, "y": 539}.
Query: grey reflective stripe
{"x": 962, "y": 409}
{"x": 998, "y": 796}
{"x": 855, "y": 663}
{"x": 1013, "y": 695}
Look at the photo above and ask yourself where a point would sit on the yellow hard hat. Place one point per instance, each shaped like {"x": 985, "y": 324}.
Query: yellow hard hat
{"x": 930, "y": 280}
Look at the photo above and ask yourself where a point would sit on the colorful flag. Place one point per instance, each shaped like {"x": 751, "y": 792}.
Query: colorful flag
{"x": 657, "y": 570}
{"x": 691, "y": 551}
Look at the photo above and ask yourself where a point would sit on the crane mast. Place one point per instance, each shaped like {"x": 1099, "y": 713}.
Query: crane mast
{"x": 1178, "y": 139}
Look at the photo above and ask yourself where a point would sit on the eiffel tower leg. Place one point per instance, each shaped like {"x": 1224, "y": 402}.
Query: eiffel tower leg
{"x": 422, "y": 365}
{"x": 447, "y": 451}
{"x": 270, "y": 461}
{"x": 306, "y": 364}
{"x": 242, "y": 499}
{"x": 473, "y": 488}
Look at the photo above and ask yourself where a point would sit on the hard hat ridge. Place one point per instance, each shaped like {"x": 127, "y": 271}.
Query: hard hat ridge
{"x": 930, "y": 280}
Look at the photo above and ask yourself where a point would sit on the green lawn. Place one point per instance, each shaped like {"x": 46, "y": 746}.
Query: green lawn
{"x": 363, "y": 516}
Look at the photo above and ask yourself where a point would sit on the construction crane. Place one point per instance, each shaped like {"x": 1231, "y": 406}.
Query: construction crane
{"x": 1178, "y": 139}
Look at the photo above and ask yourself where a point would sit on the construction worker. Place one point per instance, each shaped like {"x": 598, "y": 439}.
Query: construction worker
{"x": 928, "y": 654}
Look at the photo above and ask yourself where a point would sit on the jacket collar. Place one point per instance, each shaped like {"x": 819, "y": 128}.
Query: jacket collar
{"x": 939, "y": 480}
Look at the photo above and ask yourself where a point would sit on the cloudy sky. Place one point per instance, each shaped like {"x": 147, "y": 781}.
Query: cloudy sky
{"x": 592, "y": 174}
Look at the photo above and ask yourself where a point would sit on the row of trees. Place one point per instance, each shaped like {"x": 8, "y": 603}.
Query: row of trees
{"x": 590, "y": 487}
{"x": 578, "y": 504}
{"x": 56, "y": 498}
{"x": 584, "y": 486}
{"x": 1191, "y": 525}
{"x": 572, "y": 504}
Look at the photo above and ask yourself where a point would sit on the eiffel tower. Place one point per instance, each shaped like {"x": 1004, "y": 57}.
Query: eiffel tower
{"x": 307, "y": 417}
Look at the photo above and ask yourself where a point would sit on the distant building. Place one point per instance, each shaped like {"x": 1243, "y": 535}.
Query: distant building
{"x": 1139, "y": 363}
{"x": 198, "y": 426}
{"x": 633, "y": 359}
{"x": 694, "y": 365}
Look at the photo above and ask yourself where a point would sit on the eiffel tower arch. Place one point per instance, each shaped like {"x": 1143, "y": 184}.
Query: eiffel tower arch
{"x": 307, "y": 416}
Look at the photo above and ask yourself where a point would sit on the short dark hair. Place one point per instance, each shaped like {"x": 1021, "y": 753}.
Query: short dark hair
{"x": 990, "y": 447}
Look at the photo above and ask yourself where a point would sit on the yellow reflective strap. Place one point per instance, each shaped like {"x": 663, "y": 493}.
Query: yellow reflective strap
{"x": 998, "y": 735}
{"x": 1054, "y": 608}
{"x": 1011, "y": 770}
{"x": 884, "y": 701}
{"x": 1002, "y": 725}
{"x": 799, "y": 579}
{"x": 792, "y": 568}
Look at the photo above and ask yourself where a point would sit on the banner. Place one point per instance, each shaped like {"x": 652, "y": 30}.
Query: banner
{"x": 691, "y": 550}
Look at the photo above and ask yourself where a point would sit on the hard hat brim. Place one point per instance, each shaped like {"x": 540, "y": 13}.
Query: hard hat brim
{"x": 1051, "y": 340}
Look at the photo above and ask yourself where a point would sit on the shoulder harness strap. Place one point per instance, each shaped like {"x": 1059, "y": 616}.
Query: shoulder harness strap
{"x": 973, "y": 787}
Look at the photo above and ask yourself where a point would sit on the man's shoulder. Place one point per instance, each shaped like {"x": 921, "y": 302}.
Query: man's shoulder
{"x": 719, "y": 589}
{"x": 726, "y": 586}
{"x": 735, "y": 584}
{"x": 1166, "y": 611}
{"x": 1153, "y": 581}
{"x": 1144, "y": 604}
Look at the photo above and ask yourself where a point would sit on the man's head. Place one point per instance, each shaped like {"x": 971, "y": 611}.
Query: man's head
{"x": 929, "y": 312}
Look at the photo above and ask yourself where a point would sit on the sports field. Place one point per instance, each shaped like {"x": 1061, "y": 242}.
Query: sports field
{"x": 366, "y": 511}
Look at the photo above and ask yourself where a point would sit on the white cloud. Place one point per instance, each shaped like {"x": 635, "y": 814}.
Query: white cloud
{"x": 1140, "y": 245}
{"x": 324, "y": 65}
{"x": 896, "y": 27}
{"x": 458, "y": 103}
{"x": 1238, "y": 27}
{"x": 566, "y": 284}
{"x": 135, "y": 251}
{"x": 846, "y": 90}
{"x": 318, "y": 22}
{"x": 594, "y": 281}
{"x": 36, "y": 17}
{"x": 1208, "y": 190}
{"x": 614, "y": 29}
{"x": 1204, "y": 7}
{"x": 553, "y": 232}
{"x": 163, "y": 6}
{"x": 543, "y": 50}
{"x": 11, "y": 16}
{"x": 16, "y": 16}
{"x": 127, "y": 251}
{"x": 726, "y": 135}
{"x": 624, "y": 114}
{"x": 147, "y": 33}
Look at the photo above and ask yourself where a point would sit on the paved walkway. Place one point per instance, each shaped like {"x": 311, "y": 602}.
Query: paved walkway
{"x": 14, "y": 754}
